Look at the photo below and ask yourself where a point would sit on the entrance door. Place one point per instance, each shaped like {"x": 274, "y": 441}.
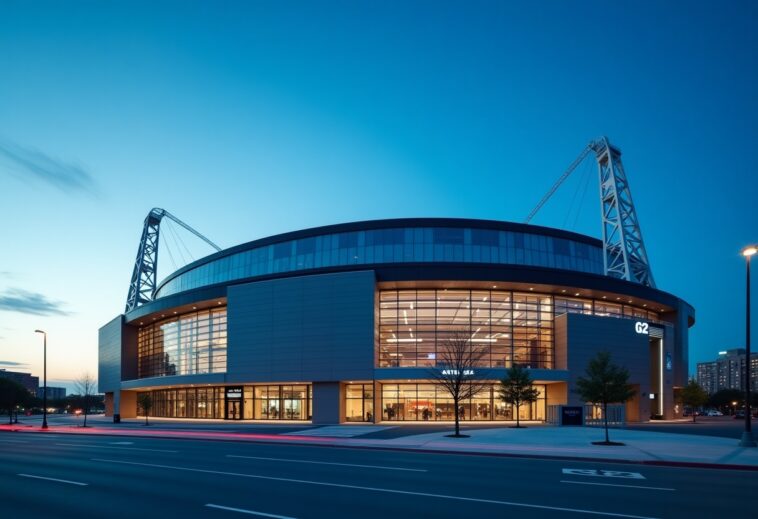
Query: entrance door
{"x": 233, "y": 410}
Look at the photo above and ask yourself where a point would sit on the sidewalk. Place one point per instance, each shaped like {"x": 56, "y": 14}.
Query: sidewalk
{"x": 547, "y": 442}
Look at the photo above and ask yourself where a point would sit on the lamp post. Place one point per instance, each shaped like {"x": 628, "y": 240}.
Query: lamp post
{"x": 44, "y": 371}
{"x": 747, "y": 435}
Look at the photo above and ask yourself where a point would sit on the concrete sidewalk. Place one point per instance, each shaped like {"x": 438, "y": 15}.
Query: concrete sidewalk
{"x": 541, "y": 441}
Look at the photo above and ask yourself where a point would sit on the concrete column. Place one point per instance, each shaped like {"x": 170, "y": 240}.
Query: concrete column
{"x": 327, "y": 403}
{"x": 128, "y": 403}
{"x": 116, "y": 395}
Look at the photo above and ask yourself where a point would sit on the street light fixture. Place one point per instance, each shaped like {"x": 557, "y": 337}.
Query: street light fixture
{"x": 747, "y": 435}
{"x": 44, "y": 371}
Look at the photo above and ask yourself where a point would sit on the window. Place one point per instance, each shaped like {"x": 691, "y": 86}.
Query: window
{"x": 190, "y": 344}
{"x": 359, "y": 402}
{"x": 431, "y": 402}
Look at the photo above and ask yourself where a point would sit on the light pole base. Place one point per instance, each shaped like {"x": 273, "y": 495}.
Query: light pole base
{"x": 747, "y": 440}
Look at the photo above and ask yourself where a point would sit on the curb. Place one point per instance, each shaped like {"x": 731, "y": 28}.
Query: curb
{"x": 421, "y": 450}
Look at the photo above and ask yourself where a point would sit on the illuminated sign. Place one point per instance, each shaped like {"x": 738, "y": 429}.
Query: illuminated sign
{"x": 453, "y": 372}
{"x": 234, "y": 392}
{"x": 669, "y": 362}
{"x": 641, "y": 327}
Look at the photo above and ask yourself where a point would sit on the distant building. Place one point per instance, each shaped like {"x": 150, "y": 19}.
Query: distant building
{"x": 25, "y": 379}
{"x": 53, "y": 393}
{"x": 727, "y": 371}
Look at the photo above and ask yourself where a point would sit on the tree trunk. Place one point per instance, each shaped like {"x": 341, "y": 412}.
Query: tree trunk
{"x": 146, "y": 418}
{"x": 605, "y": 416}
{"x": 457, "y": 418}
{"x": 694, "y": 416}
{"x": 518, "y": 409}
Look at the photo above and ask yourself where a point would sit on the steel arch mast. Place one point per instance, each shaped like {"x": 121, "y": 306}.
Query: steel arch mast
{"x": 143, "y": 283}
{"x": 624, "y": 254}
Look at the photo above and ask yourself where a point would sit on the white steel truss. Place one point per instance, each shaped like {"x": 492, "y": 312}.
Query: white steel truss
{"x": 143, "y": 284}
{"x": 624, "y": 254}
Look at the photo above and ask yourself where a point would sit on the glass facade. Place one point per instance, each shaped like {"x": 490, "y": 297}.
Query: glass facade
{"x": 430, "y": 402}
{"x": 192, "y": 402}
{"x": 511, "y": 327}
{"x": 397, "y": 245}
{"x": 270, "y": 402}
{"x": 189, "y": 344}
{"x": 277, "y": 402}
{"x": 359, "y": 402}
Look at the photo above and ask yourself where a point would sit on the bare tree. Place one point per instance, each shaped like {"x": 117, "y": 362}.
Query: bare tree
{"x": 459, "y": 370}
{"x": 85, "y": 386}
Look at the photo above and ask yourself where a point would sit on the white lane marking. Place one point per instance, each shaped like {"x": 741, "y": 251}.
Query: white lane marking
{"x": 249, "y": 512}
{"x": 54, "y": 479}
{"x": 375, "y": 489}
{"x": 14, "y": 441}
{"x": 614, "y": 485}
{"x": 111, "y": 447}
{"x": 603, "y": 473}
{"x": 121, "y": 443}
{"x": 328, "y": 463}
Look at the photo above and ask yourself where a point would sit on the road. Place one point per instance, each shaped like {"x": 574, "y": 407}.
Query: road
{"x": 58, "y": 475}
{"x": 722, "y": 426}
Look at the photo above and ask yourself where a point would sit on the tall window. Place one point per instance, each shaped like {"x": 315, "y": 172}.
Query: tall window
{"x": 189, "y": 344}
{"x": 414, "y": 324}
{"x": 512, "y": 327}
{"x": 359, "y": 402}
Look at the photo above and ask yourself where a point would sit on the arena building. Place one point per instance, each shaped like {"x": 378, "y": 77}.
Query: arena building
{"x": 344, "y": 324}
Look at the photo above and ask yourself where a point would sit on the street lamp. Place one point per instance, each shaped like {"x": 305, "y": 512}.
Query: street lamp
{"x": 44, "y": 370}
{"x": 747, "y": 434}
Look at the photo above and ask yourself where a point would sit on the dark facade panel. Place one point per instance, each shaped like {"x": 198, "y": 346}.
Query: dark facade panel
{"x": 109, "y": 355}
{"x": 310, "y": 328}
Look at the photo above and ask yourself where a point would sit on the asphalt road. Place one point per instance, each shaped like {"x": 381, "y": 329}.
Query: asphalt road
{"x": 721, "y": 426}
{"x": 56, "y": 475}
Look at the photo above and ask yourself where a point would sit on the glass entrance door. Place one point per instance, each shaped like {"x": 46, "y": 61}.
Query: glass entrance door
{"x": 233, "y": 410}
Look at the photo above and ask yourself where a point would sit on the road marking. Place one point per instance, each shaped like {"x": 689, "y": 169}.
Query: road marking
{"x": 614, "y": 485}
{"x": 250, "y": 512}
{"x": 14, "y": 441}
{"x": 375, "y": 489}
{"x": 53, "y": 479}
{"x": 603, "y": 473}
{"x": 111, "y": 447}
{"x": 121, "y": 443}
{"x": 327, "y": 463}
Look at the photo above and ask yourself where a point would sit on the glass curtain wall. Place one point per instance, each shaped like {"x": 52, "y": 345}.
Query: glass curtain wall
{"x": 205, "y": 402}
{"x": 397, "y": 245}
{"x": 511, "y": 327}
{"x": 359, "y": 402}
{"x": 430, "y": 402}
{"x": 274, "y": 402}
{"x": 280, "y": 403}
{"x": 189, "y": 344}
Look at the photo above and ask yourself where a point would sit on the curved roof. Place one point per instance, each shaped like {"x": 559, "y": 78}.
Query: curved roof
{"x": 519, "y": 244}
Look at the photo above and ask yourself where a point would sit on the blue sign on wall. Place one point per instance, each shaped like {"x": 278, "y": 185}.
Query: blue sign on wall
{"x": 668, "y": 362}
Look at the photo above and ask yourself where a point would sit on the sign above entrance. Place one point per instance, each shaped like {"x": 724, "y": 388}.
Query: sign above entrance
{"x": 454, "y": 372}
{"x": 234, "y": 393}
{"x": 641, "y": 328}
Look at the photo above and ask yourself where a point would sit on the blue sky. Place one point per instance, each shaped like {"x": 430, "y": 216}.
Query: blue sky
{"x": 249, "y": 119}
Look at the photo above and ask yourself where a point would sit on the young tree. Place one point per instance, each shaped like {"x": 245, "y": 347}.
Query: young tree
{"x": 694, "y": 396}
{"x": 85, "y": 386}
{"x": 12, "y": 394}
{"x": 517, "y": 389}
{"x": 605, "y": 383}
{"x": 145, "y": 401}
{"x": 457, "y": 363}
